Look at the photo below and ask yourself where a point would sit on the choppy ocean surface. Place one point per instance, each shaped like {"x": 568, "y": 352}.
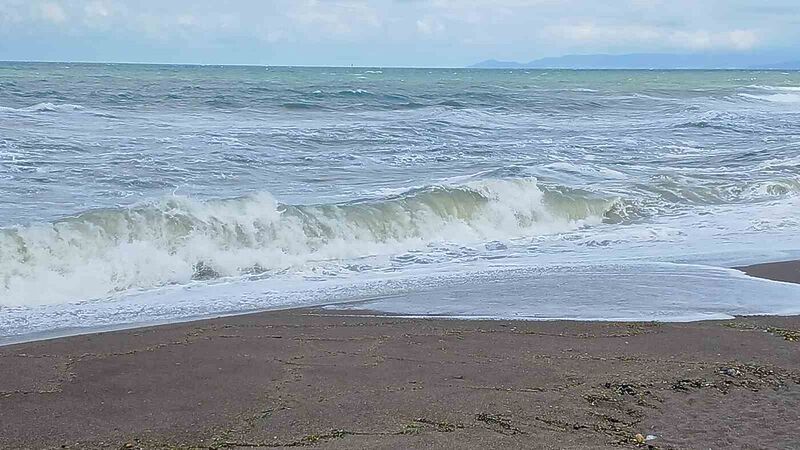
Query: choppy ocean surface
{"x": 142, "y": 194}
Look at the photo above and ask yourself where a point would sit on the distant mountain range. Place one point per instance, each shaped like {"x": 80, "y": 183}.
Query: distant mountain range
{"x": 651, "y": 61}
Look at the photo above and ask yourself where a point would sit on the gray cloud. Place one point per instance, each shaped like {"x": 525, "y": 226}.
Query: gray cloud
{"x": 384, "y": 32}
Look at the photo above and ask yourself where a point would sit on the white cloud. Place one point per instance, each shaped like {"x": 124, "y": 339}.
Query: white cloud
{"x": 744, "y": 39}
{"x": 52, "y": 12}
{"x": 10, "y": 15}
{"x": 648, "y": 36}
{"x": 429, "y": 26}
{"x": 721, "y": 40}
{"x": 97, "y": 9}
{"x": 588, "y": 32}
{"x": 337, "y": 18}
{"x": 186, "y": 20}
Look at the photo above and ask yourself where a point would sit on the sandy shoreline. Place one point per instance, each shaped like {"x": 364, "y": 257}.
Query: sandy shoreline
{"x": 336, "y": 380}
{"x": 786, "y": 271}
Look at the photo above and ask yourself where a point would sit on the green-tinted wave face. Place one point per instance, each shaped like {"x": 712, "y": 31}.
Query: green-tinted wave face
{"x": 177, "y": 239}
{"x": 676, "y": 190}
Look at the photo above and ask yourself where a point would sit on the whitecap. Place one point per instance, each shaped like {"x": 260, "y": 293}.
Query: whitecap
{"x": 177, "y": 240}
{"x": 776, "y": 98}
{"x": 45, "y": 107}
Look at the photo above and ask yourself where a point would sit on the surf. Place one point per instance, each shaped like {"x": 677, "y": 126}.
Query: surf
{"x": 178, "y": 240}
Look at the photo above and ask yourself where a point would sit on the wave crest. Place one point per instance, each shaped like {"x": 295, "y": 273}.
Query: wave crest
{"x": 44, "y": 107}
{"x": 177, "y": 240}
{"x": 788, "y": 97}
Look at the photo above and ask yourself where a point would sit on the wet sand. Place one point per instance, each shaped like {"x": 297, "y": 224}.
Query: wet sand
{"x": 786, "y": 271}
{"x": 311, "y": 377}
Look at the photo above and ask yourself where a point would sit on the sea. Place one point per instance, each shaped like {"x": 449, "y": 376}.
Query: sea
{"x": 143, "y": 194}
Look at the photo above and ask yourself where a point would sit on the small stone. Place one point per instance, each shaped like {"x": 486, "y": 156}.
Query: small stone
{"x": 730, "y": 371}
{"x": 639, "y": 438}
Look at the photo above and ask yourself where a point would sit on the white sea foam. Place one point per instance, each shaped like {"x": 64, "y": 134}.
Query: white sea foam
{"x": 638, "y": 291}
{"x": 777, "y": 98}
{"x": 777, "y": 88}
{"x": 44, "y": 107}
{"x": 178, "y": 240}
{"x": 624, "y": 292}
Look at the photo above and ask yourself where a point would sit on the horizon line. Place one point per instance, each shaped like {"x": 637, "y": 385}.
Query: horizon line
{"x": 34, "y": 61}
{"x": 311, "y": 66}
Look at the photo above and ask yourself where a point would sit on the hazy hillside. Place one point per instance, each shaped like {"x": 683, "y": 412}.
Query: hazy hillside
{"x": 650, "y": 61}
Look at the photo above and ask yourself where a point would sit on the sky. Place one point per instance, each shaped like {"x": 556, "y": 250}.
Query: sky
{"x": 421, "y": 33}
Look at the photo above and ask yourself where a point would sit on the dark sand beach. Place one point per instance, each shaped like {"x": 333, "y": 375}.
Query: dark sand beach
{"x": 327, "y": 379}
{"x": 786, "y": 271}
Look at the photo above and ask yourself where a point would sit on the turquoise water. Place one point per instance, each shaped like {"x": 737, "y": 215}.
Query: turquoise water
{"x": 136, "y": 193}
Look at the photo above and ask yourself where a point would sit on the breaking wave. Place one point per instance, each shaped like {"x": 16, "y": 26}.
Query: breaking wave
{"x": 777, "y": 88}
{"x": 776, "y": 98}
{"x": 44, "y": 107}
{"x": 178, "y": 240}
{"x": 681, "y": 191}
